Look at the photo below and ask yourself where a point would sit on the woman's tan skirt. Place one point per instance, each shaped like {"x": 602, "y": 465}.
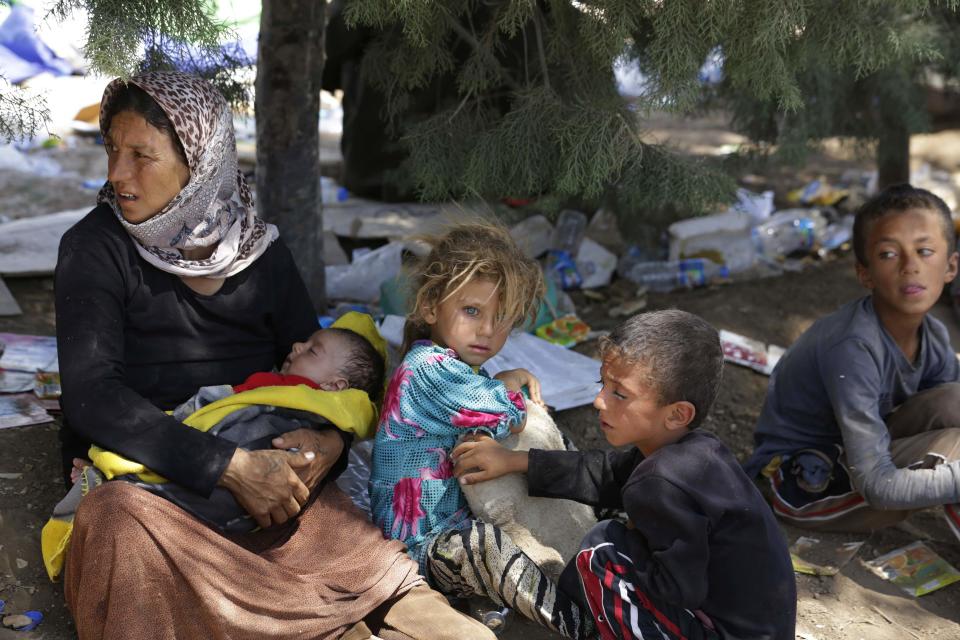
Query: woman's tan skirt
{"x": 140, "y": 567}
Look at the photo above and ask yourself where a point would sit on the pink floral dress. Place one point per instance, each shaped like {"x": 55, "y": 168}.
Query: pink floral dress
{"x": 434, "y": 399}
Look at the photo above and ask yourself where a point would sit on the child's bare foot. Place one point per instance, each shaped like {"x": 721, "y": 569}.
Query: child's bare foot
{"x": 78, "y": 465}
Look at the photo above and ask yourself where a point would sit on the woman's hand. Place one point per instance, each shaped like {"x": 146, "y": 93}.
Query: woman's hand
{"x": 266, "y": 484}
{"x": 483, "y": 459}
{"x": 326, "y": 445}
{"x": 514, "y": 379}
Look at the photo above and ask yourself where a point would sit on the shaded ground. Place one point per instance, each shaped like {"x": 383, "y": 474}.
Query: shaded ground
{"x": 855, "y": 604}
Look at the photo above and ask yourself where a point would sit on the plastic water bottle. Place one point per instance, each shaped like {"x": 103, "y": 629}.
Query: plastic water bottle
{"x": 569, "y": 231}
{"x": 837, "y": 233}
{"x": 635, "y": 255}
{"x": 788, "y": 231}
{"x": 667, "y": 275}
{"x": 331, "y": 192}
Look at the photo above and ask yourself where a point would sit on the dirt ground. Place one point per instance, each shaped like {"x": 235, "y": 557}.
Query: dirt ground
{"x": 853, "y": 605}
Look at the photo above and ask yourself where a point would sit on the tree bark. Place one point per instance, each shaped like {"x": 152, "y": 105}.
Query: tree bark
{"x": 893, "y": 154}
{"x": 289, "y": 66}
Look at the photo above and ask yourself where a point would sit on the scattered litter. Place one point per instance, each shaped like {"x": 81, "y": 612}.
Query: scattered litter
{"x": 569, "y": 231}
{"x": 331, "y": 192}
{"x": 22, "y": 352}
{"x": 789, "y": 231}
{"x": 759, "y": 206}
{"x": 28, "y": 246}
{"x": 915, "y": 568}
{"x": 562, "y": 269}
{"x": 722, "y": 237}
{"x": 8, "y": 304}
{"x": 361, "y": 280}
{"x": 595, "y": 264}
{"x": 605, "y": 230}
{"x": 818, "y": 193}
{"x": 10, "y": 476}
{"x": 533, "y": 235}
{"x": 22, "y": 564}
{"x": 333, "y": 253}
{"x": 594, "y": 295}
{"x": 744, "y": 351}
{"x": 816, "y": 557}
{"x": 568, "y": 379}
{"x": 667, "y": 275}
{"x": 628, "y": 308}
{"x": 12, "y": 159}
{"x": 836, "y": 235}
{"x": 21, "y": 410}
{"x": 566, "y": 331}
{"x": 26, "y": 621}
{"x": 46, "y": 385}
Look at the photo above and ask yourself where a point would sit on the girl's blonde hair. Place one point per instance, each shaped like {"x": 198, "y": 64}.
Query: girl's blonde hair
{"x": 465, "y": 252}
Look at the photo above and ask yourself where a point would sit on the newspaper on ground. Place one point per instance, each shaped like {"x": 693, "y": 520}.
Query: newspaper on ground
{"x": 21, "y": 410}
{"x": 21, "y": 352}
{"x": 568, "y": 379}
{"x": 915, "y": 568}
{"x": 16, "y": 381}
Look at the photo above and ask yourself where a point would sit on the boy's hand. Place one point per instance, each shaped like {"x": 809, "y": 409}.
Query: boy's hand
{"x": 514, "y": 379}
{"x": 485, "y": 459}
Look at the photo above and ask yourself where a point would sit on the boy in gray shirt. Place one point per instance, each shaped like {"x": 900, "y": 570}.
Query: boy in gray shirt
{"x": 861, "y": 423}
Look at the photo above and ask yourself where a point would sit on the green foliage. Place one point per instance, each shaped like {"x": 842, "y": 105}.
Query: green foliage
{"x": 118, "y": 28}
{"x": 860, "y": 72}
{"x": 22, "y": 114}
{"x": 532, "y": 110}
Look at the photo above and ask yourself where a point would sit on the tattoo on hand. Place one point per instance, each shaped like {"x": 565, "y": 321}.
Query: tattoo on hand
{"x": 274, "y": 466}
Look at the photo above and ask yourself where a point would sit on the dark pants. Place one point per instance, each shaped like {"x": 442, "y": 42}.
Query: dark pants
{"x": 603, "y": 575}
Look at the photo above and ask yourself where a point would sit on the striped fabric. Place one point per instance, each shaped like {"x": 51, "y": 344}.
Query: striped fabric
{"x": 620, "y": 608}
{"x": 480, "y": 559}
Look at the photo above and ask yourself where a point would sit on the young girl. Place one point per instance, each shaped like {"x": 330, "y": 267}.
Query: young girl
{"x": 473, "y": 288}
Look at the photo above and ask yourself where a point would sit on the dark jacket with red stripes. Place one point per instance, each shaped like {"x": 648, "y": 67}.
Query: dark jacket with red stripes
{"x": 710, "y": 541}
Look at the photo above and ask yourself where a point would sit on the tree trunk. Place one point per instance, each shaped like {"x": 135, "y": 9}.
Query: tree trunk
{"x": 289, "y": 65}
{"x": 893, "y": 154}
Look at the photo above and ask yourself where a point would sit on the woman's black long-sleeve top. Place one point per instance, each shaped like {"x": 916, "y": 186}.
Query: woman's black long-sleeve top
{"x": 134, "y": 341}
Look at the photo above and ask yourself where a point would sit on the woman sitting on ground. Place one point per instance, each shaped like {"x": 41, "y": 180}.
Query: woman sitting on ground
{"x": 172, "y": 283}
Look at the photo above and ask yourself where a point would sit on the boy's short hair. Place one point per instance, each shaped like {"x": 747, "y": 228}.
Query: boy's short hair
{"x": 895, "y": 199}
{"x": 363, "y": 367}
{"x": 680, "y": 351}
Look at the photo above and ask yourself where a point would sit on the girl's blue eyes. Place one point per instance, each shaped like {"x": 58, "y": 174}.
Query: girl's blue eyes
{"x": 471, "y": 311}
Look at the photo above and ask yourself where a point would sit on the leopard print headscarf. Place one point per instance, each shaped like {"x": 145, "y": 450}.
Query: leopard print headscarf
{"x": 215, "y": 207}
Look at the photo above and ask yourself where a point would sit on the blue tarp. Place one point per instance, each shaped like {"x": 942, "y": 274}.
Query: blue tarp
{"x": 22, "y": 54}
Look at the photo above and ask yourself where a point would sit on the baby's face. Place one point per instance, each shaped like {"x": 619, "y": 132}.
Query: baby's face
{"x": 320, "y": 358}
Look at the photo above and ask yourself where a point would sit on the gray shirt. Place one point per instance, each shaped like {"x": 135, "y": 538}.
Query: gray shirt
{"x": 838, "y": 383}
